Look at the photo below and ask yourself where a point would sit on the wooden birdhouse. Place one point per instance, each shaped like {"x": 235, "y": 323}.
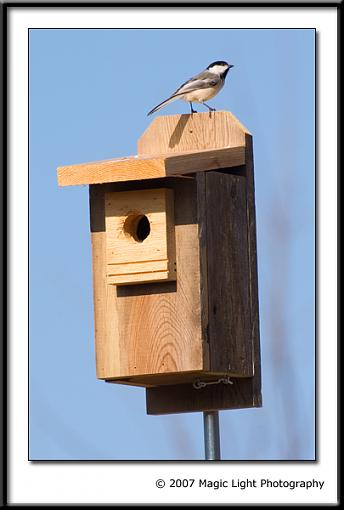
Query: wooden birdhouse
{"x": 174, "y": 264}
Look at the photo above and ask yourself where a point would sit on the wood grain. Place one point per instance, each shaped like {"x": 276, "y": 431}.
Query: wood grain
{"x": 104, "y": 297}
{"x": 227, "y": 273}
{"x": 253, "y": 271}
{"x": 245, "y": 392}
{"x": 233, "y": 331}
{"x": 112, "y": 170}
{"x": 184, "y": 398}
{"x": 198, "y": 132}
{"x": 205, "y": 324}
{"x": 212, "y": 159}
{"x": 144, "y": 167}
{"x": 157, "y": 325}
{"x": 136, "y": 267}
{"x": 167, "y": 379}
{"x": 161, "y": 331}
{"x": 203, "y": 255}
{"x": 130, "y": 260}
{"x": 141, "y": 277}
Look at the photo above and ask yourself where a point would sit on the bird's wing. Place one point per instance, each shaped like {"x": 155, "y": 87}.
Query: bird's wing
{"x": 203, "y": 80}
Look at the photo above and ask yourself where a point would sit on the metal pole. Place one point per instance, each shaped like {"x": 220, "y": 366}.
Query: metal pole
{"x": 211, "y": 435}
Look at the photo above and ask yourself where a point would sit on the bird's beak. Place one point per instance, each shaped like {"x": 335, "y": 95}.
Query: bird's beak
{"x": 230, "y": 66}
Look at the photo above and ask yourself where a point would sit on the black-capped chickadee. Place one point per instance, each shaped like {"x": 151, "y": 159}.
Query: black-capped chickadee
{"x": 200, "y": 88}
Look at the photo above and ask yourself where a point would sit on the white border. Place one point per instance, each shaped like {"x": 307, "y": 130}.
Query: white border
{"x": 135, "y": 483}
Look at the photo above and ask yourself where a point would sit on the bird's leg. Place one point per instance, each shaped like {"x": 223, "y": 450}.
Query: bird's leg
{"x": 192, "y": 110}
{"x": 209, "y": 108}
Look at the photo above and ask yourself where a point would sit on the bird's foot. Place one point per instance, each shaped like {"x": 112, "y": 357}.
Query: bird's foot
{"x": 209, "y": 108}
{"x": 192, "y": 109}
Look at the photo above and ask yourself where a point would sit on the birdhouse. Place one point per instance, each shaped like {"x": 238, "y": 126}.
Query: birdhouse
{"x": 174, "y": 264}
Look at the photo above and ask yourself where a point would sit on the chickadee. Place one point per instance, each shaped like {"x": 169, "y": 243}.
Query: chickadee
{"x": 200, "y": 88}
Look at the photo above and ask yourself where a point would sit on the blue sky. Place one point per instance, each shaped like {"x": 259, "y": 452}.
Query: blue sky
{"x": 90, "y": 91}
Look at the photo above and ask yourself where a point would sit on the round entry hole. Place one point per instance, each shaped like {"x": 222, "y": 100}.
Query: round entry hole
{"x": 137, "y": 226}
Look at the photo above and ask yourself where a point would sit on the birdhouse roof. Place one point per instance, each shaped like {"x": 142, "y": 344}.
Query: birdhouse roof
{"x": 174, "y": 145}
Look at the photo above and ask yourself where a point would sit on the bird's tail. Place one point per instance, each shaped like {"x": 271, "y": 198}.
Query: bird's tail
{"x": 164, "y": 103}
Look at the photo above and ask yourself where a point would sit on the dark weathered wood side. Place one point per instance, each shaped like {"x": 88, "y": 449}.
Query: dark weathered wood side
{"x": 253, "y": 270}
{"x": 184, "y": 398}
{"x": 227, "y": 273}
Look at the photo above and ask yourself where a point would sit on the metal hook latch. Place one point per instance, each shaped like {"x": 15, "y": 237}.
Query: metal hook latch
{"x": 201, "y": 384}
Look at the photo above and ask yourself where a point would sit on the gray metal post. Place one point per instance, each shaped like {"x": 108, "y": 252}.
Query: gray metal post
{"x": 211, "y": 435}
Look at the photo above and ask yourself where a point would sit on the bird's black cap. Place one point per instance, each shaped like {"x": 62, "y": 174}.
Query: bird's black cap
{"x": 218, "y": 63}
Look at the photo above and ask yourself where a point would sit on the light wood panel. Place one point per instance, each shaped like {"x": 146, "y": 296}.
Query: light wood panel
{"x": 197, "y": 132}
{"x": 152, "y": 275}
{"x": 158, "y": 327}
{"x": 161, "y": 328}
{"x": 144, "y": 167}
{"x": 106, "y": 324}
{"x": 131, "y": 259}
{"x": 112, "y": 170}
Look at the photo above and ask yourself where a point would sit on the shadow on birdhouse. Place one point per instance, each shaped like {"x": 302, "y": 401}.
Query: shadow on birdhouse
{"x": 174, "y": 264}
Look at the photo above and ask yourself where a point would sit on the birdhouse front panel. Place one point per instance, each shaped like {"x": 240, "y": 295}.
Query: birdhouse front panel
{"x": 147, "y": 332}
{"x": 140, "y": 237}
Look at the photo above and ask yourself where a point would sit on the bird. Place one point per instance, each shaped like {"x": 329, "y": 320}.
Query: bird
{"x": 200, "y": 88}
